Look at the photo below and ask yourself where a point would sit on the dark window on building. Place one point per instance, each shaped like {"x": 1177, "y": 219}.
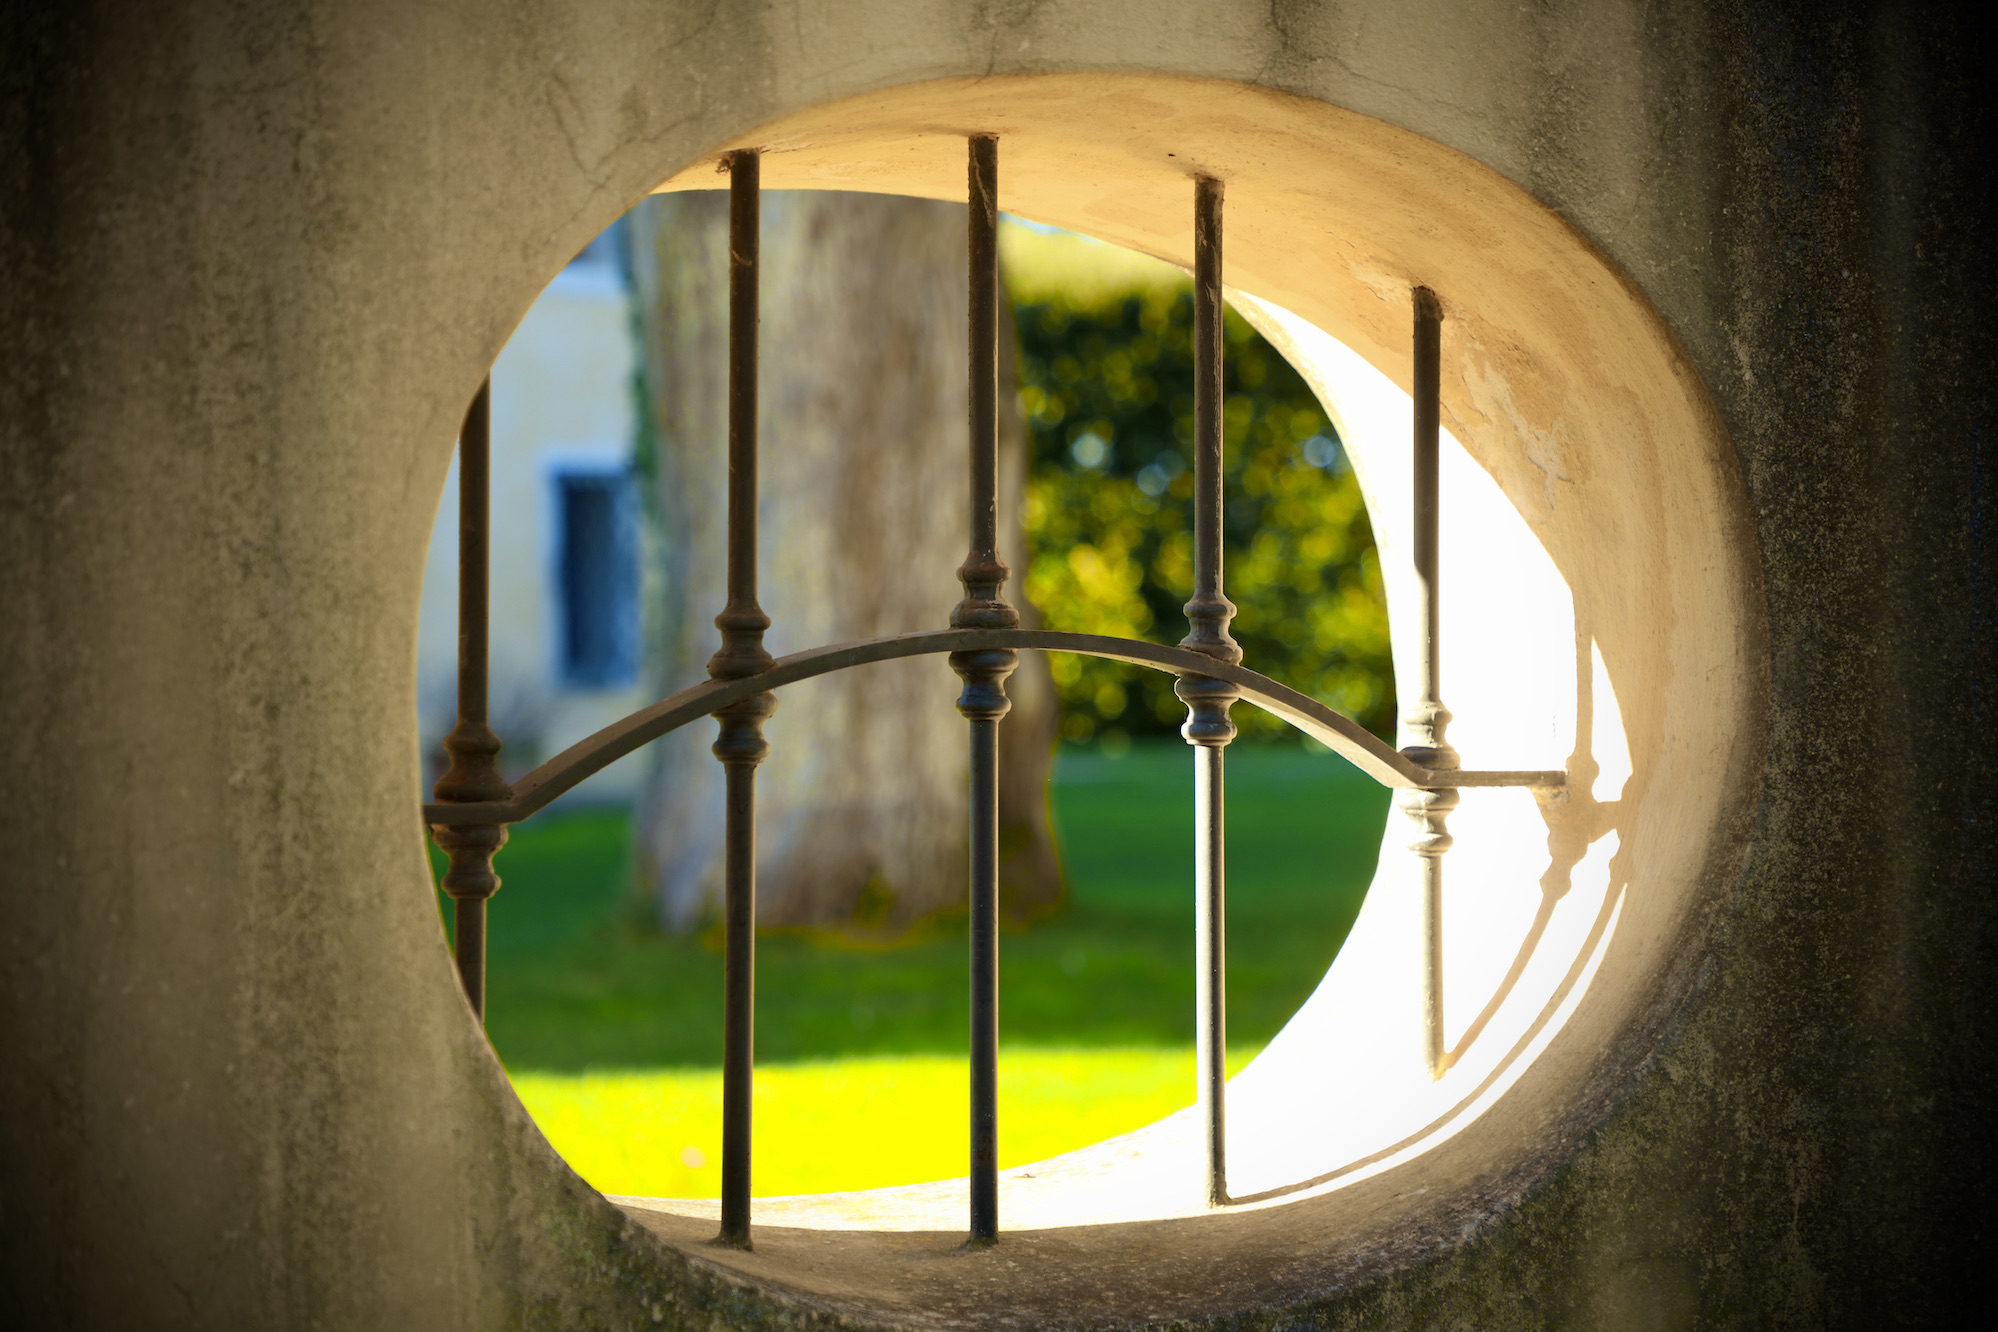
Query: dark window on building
{"x": 597, "y": 578}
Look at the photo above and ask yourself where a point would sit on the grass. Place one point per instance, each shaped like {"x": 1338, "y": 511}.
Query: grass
{"x": 851, "y": 1123}
{"x": 612, "y": 1032}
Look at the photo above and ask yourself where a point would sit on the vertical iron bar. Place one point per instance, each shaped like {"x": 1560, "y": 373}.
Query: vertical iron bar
{"x": 984, "y": 1035}
{"x": 738, "y": 994}
{"x": 1426, "y": 720}
{"x": 468, "y": 945}
{"x": 740, "y": 744}
{"x": 1208, "y": 727}
{"x": 1428, "y": 387}
{"x": 983, "y": 701}
{"x": 475, "y": 553}
{"x": 1210, "y": 960}
{"x": 472, "y": 744}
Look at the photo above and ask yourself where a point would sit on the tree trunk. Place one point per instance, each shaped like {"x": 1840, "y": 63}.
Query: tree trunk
{"x": 862, "y": 805}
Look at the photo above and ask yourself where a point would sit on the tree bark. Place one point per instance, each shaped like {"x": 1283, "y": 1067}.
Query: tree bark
{"x": 862, "y": 805}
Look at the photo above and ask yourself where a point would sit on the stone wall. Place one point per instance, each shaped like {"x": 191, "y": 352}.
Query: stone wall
{"x": 255, "y": 260}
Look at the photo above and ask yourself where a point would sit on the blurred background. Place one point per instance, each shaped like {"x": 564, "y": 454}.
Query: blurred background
{"x": 604, "y": 990}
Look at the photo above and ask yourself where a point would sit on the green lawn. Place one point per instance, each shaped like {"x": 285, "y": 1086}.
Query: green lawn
{"x": 612, "y": 1030}
{"x": 854, "y": 1122}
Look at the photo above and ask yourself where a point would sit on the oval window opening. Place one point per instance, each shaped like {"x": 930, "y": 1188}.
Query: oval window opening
{"x": 605, "y": 975}
{"x": 1599, "y": 628}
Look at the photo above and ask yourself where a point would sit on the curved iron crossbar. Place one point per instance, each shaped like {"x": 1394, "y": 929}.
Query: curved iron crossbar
{"x": 1337, "y": 732}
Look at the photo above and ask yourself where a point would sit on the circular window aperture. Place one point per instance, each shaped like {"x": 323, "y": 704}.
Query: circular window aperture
{"x": 1599, "y": 616}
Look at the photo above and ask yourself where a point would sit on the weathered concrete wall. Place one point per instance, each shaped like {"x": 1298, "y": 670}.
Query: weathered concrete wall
{"x": 254, "y": 261}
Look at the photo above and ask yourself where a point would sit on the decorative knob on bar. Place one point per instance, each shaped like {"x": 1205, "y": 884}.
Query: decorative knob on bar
{"x": 1428, "y": 809}
{"x": 1424, "y": 725}
{"x": 1208, "y": 700}
{"x": 742, "y": 655}
{"x": 984, "y": 607}
{"x": 469, "y": 879}
{"x": 473, "y": 776}
{"x": 984, "y": 672}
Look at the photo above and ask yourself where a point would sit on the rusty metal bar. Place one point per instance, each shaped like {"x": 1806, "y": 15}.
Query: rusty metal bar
{"x": 1425, "y": 721}
{"x": 983, "y": 701}
{"x": 1210, "y": 962}
{"x": 1208, "y": 698}
{"x": 1428, "y": 351}
{"x": 473, "y": 776}
{"x": 740, "y": 744}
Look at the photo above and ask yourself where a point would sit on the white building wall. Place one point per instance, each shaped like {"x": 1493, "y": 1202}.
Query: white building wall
{"x": 562, "y": 400}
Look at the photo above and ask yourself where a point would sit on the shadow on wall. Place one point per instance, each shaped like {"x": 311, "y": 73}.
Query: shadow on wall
{"x": 1534, "y": 883}
{"x": 1576, "y": 820}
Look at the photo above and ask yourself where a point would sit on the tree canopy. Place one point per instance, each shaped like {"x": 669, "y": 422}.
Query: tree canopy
{"x": 1106, "y": 387}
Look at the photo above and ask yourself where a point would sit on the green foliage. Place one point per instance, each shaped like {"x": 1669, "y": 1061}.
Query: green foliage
{"x": 1107, "y": 392}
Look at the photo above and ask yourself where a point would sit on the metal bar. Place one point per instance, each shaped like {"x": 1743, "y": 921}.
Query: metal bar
{"x": 983, "y": 701}
{"x": 984, "y": 1036}
{"x": 473, "y": 775}
{"x": 1426, "y": 720}
{"x": 1210, "y": 611}
{"x": 1208, "y": 698}
{"x": 743, "y": 615}
{"x": 475, "y": 554}
{"x": 740, "y": 744}
{"x": 738, "y": 997}
{"x": 468, "y": 946}
{"x": 1210, "y": 962}
{"x": 984, "y": 572}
